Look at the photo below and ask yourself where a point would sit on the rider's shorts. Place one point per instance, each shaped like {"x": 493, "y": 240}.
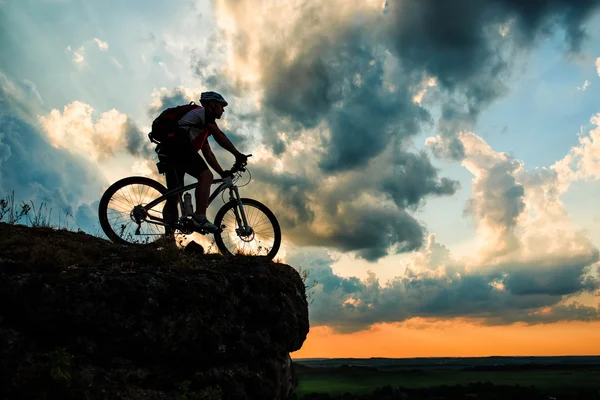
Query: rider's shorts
{"x": 185, "y": 161}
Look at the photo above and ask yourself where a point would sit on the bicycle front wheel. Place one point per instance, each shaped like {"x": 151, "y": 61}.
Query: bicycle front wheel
{"x": 121, "y": 212}
{"x": 264, "y": 238}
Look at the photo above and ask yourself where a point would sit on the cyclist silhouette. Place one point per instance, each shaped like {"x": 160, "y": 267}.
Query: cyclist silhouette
{"x": 182, "y": 156}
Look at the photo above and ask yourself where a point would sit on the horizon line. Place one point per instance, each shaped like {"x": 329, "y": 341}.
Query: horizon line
{"x": 434, "y": 357}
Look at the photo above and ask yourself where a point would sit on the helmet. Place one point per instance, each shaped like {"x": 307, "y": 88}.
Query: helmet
{"x": 206, "y": 96}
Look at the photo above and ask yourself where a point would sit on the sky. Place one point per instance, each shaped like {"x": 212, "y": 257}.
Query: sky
{"x": 434, "y": 165}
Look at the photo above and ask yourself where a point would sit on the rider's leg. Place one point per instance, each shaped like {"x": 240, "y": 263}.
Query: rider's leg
{"x": 170, "y": 213}
{"x": 173, "y": 175}
{"x": 205, "y": 180}
{"x": 199, "y": 170}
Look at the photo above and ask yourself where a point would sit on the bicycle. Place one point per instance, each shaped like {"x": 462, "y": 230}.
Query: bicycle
{"x": 139, "y": 222}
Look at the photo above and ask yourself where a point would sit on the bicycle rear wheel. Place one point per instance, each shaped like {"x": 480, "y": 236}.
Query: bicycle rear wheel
{"x": 265, "y": 238}
{"x": 122, "y": 203}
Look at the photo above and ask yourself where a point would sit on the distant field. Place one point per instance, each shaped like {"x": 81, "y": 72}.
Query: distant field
{"x": 359, "y": 380}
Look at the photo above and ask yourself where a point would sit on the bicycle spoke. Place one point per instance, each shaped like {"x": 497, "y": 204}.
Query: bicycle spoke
{"x": 259, "y": 243}
{"x": 121, "y": 206}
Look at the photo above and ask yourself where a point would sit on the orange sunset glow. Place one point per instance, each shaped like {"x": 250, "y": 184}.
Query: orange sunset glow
{"x": 421, "y": 338}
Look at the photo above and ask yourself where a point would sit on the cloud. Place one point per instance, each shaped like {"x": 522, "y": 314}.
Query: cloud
{"x": 529, "y": 264}
{"x": 163, "y": 98}
{"x": 76, "y": 55}
{"x": 35, "y": 170}
{"x": 363, "y": 211}
{"x": 79, "y": 56}
{"x": 429, "y": 82}
{"x": 598, "y": 65}
{"x": 586, "y": 84}
{"x": 358, "y": 69}
{"x": 101, "y": 45}
{"x": 436, "y": 286}
{"x": 31, "y": 90}
{"x": 497, "y": 198}
{"x": 468, "y": 46}
{"x": 583, "y": 160}
{"x": 116, "y": 62}
{"x": 76, "y": 130}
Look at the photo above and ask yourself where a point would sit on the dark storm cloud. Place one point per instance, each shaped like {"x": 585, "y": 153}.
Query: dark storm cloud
{"x": 303, "y": 91}
{"x": 557, "y": 313}
{"x": 460, "y": 44}
{"x": 305, "y": 204}
{"x": 371, "y": 231}
{"x": 365, "y": 228}
{"x": 350, "y": 304}
{"x": 138, "y": 143}
{"x": 342, "y": 83}
{"x": 562, "y": 277}
{"x": 293, "y": 195}
{"x": 35, "y": 170}
{"x": 413, "y": 178}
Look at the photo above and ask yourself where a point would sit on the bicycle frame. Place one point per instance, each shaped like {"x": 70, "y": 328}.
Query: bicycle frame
{"x": 234, "y": 195}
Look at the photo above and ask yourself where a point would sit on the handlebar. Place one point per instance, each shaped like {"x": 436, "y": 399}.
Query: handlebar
{"x": 240, "y": 167}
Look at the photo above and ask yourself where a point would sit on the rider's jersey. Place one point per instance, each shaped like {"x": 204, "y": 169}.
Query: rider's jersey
{"x": 195, "y": 123}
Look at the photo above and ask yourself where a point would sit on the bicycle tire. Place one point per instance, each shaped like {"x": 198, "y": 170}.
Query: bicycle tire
{"x": 261, "y": 207}
{"x": 103, "y": 208}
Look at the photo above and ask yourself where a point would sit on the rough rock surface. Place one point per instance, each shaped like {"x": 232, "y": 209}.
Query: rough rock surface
{"x": 81, "y": 318}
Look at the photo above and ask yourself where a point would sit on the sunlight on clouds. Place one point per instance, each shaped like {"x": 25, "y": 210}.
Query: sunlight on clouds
{"x": 76, "y": 130}
{"x": 598, "y": 65}
{"x": 278, "y": 22}
{"x": 111, "y": 141}
{"x": 520, "y": 217}
{"x": 504, "y": 29}
{"x": 427, "y": 83}
{"x": 77, "y": 55}
{"x": 144, "y": 167}
{"x": 588, "y": 152}
{"x": 583, "y": 160}
{"x": 101, "y": 45}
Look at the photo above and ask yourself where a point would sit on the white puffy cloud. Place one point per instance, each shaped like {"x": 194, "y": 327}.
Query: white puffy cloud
{"x": 77, "y": 130}
{"x": 598, "y": 65}
{"x": 583, "y": 160}
{"x": 101, "y": 45}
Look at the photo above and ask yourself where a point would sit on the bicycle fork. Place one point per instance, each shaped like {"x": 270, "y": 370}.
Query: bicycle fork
{"x": 242, "y": 222}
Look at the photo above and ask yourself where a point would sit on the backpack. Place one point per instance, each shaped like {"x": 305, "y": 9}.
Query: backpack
{"x": 166, "y": 125}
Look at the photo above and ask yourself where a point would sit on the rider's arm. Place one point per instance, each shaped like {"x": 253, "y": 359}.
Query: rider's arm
{"x": 222, "y": 140}
{"x": 210, "y": 158}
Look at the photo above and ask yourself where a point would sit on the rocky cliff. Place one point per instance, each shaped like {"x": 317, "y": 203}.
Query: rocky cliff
{"x": 82, "y": 318}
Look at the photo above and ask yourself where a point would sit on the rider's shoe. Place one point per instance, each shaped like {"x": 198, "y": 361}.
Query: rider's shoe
{"x": 202, "y": 223}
